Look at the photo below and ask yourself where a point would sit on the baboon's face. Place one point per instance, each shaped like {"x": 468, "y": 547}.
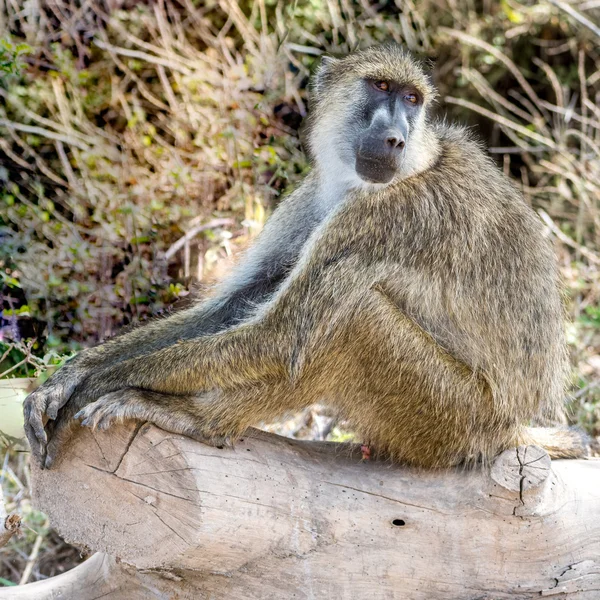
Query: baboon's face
{"x": 368, "y": 119}
{"x": 386, "y": 118}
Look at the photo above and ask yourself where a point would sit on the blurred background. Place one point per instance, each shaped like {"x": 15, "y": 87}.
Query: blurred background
{"x": 143, "y": 144}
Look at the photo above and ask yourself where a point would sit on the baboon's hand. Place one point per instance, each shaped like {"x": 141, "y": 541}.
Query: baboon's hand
{"x": 59, "y": 400}
{"x": 46, "y": 401}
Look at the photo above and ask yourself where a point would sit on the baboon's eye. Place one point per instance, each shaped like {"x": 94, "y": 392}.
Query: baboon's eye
{"x": 384, "y": 86}
{"x": 412, "y": 98}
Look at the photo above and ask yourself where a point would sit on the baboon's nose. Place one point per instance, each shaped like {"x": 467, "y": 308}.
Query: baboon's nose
{"x": 395, "y": 141}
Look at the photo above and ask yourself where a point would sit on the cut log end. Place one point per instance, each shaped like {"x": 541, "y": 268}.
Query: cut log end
{"x": 521, "y": 469}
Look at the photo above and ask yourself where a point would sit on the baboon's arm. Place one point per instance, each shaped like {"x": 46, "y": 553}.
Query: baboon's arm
{"x": 268, "y": 349}
{"x": 265, "y": 265}
{"x": 272, "y": 346}
{"x": 243, "y": 355}
{"x": 256, "y": 276}
{"x": 269, "y": 346}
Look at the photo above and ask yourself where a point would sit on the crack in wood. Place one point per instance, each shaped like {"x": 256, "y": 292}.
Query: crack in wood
{"x": 161, "y": 472}
{"x": 152, "y": 458}
{"x": 528, "y": 464}
{"x": 521, "y": 481}
{"x": 386, "y": 498}
{"x": 171, "y": 528}
{"x": 99, "y": 447}
{"x": 128, "y": 446}
{"x": 155, "y": 513}
{"x": 157, "y": 490}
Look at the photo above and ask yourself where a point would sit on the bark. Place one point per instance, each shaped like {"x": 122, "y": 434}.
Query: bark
{"x": 276, "y": 519}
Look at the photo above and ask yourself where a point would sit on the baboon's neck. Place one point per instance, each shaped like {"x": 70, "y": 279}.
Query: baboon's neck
{"x": 331, "y": 191}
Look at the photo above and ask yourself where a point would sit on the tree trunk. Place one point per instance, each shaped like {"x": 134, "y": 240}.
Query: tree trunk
{"x": 279, "y": 519}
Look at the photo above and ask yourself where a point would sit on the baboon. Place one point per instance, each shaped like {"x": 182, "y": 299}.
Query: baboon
{"x": 405, "y": 282}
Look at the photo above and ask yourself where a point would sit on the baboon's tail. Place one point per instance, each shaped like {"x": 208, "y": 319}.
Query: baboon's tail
{"x": 559, "y": 442}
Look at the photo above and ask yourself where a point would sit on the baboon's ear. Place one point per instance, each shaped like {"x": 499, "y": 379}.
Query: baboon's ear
{"x": 323, "y": 74}
{"x": 327, "y": 61}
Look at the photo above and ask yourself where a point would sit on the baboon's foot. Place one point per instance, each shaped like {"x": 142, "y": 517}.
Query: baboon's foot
{"x": 169, "y": 412}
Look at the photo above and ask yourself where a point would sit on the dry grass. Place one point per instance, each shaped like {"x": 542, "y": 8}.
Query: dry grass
{"x": 142, "y": 144}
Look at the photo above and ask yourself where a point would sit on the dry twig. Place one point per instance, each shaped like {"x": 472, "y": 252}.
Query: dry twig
{"x": 9, "y": 524}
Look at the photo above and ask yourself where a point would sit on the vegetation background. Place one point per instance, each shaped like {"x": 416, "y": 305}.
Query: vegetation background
{"x": 144, "y": 143}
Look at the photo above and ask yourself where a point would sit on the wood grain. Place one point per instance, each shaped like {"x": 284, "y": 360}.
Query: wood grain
{"x": 278, "y": 519}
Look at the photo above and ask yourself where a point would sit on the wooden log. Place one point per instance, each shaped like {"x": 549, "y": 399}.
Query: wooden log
{"x": 278, "y": 519}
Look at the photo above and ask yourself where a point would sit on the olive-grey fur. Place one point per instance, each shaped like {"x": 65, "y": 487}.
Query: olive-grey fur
{"x": 427, "y": 311}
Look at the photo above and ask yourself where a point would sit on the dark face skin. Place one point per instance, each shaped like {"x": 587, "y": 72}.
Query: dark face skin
{"x": 386, "y": 121}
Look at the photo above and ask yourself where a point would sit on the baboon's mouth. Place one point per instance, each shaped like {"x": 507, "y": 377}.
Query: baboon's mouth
{"x": 375, "y": 169}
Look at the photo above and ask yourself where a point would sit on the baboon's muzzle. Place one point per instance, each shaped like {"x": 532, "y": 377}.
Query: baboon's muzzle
{"x": 375, "y": 169}
{"x": 379, "y": 154}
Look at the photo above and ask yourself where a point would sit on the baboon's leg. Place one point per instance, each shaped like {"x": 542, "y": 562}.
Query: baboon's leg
{"x": 414, "y": 400}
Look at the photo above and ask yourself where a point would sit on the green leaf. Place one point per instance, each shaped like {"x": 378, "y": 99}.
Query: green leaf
{"x": 242, "y": 164}
{"x": 141, "y": 239}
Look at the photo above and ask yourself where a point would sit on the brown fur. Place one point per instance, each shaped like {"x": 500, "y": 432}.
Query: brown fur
{"x": 427, "y": 312}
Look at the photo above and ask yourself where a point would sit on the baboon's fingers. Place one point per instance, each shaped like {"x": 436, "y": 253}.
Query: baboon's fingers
{"x": 34, "y": 408}
{"x": 54, "y": 405}
{"x": 43, "y": 404}
{"x": 37, "y": 450}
